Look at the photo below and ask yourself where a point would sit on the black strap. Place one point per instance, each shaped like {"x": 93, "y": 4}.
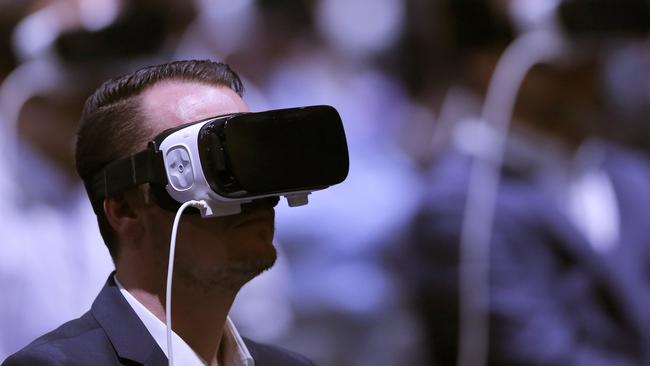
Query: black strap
{"x": 119, "y": 176}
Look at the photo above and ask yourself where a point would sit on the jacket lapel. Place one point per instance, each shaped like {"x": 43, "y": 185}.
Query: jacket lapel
{"x": 129, "y": 337}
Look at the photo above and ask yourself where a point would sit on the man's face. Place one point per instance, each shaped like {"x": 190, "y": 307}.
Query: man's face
{"x": 215, "y": 252}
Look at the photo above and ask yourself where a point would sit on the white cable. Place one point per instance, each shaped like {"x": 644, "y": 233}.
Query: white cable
{"x": 170, "y": 270}
{"x": 526, "y": 51}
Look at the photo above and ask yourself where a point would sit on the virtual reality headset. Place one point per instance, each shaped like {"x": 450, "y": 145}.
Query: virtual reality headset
{"x": 234, "y": 159}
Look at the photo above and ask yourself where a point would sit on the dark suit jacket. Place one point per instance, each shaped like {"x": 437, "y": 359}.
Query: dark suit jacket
{"x": 554, "y": 301}
{"x": 112, "y": 334}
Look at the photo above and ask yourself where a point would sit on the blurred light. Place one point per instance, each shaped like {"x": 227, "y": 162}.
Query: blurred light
{"x": 359, "y": 27}
{"x": 37, "y": 31}
{"x": 358, "y": 288}
{"x": 475, "y": 138}
{"x": 98, "y": 14}
{"x": 227, "y": 23}
{"x": 530, "y": 15}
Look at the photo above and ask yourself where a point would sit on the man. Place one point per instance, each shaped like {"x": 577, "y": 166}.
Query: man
{"x": 214, "y": 259}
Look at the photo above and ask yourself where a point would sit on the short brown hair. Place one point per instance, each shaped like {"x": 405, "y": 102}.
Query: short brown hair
{"x": 112, "y": 127}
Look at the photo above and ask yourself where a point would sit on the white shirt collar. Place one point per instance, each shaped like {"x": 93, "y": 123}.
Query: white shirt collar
{"x": 234, "y": 350}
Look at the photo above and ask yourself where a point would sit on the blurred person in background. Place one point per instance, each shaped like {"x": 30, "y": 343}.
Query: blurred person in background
{"x": 627, "y": 91}
{"x": 51, "y": 261}
{"x": 570, "y": 246}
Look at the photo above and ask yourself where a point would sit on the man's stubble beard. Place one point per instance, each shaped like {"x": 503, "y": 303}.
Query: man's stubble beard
{"x": 229, "y": 276}
{"x": 225, "y": 277}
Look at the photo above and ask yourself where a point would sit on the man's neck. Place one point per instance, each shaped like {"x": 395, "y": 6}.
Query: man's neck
{"x": 198, "y": 316}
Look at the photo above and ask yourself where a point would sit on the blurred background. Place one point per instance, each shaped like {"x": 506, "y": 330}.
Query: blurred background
{"x": 373, "y": 271}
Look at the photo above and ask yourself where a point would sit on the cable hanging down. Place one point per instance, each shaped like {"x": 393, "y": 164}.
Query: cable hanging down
{"x": 170, "y": 271}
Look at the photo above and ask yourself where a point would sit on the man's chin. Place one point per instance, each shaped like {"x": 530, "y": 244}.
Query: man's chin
{"x": 229, "y": 277}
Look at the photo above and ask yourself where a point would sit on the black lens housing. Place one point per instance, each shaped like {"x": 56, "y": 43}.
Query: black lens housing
{"x": 274, "y": 152}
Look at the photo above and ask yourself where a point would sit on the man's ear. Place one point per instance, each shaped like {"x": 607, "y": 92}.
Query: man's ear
{"x": 123, "y": 215}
